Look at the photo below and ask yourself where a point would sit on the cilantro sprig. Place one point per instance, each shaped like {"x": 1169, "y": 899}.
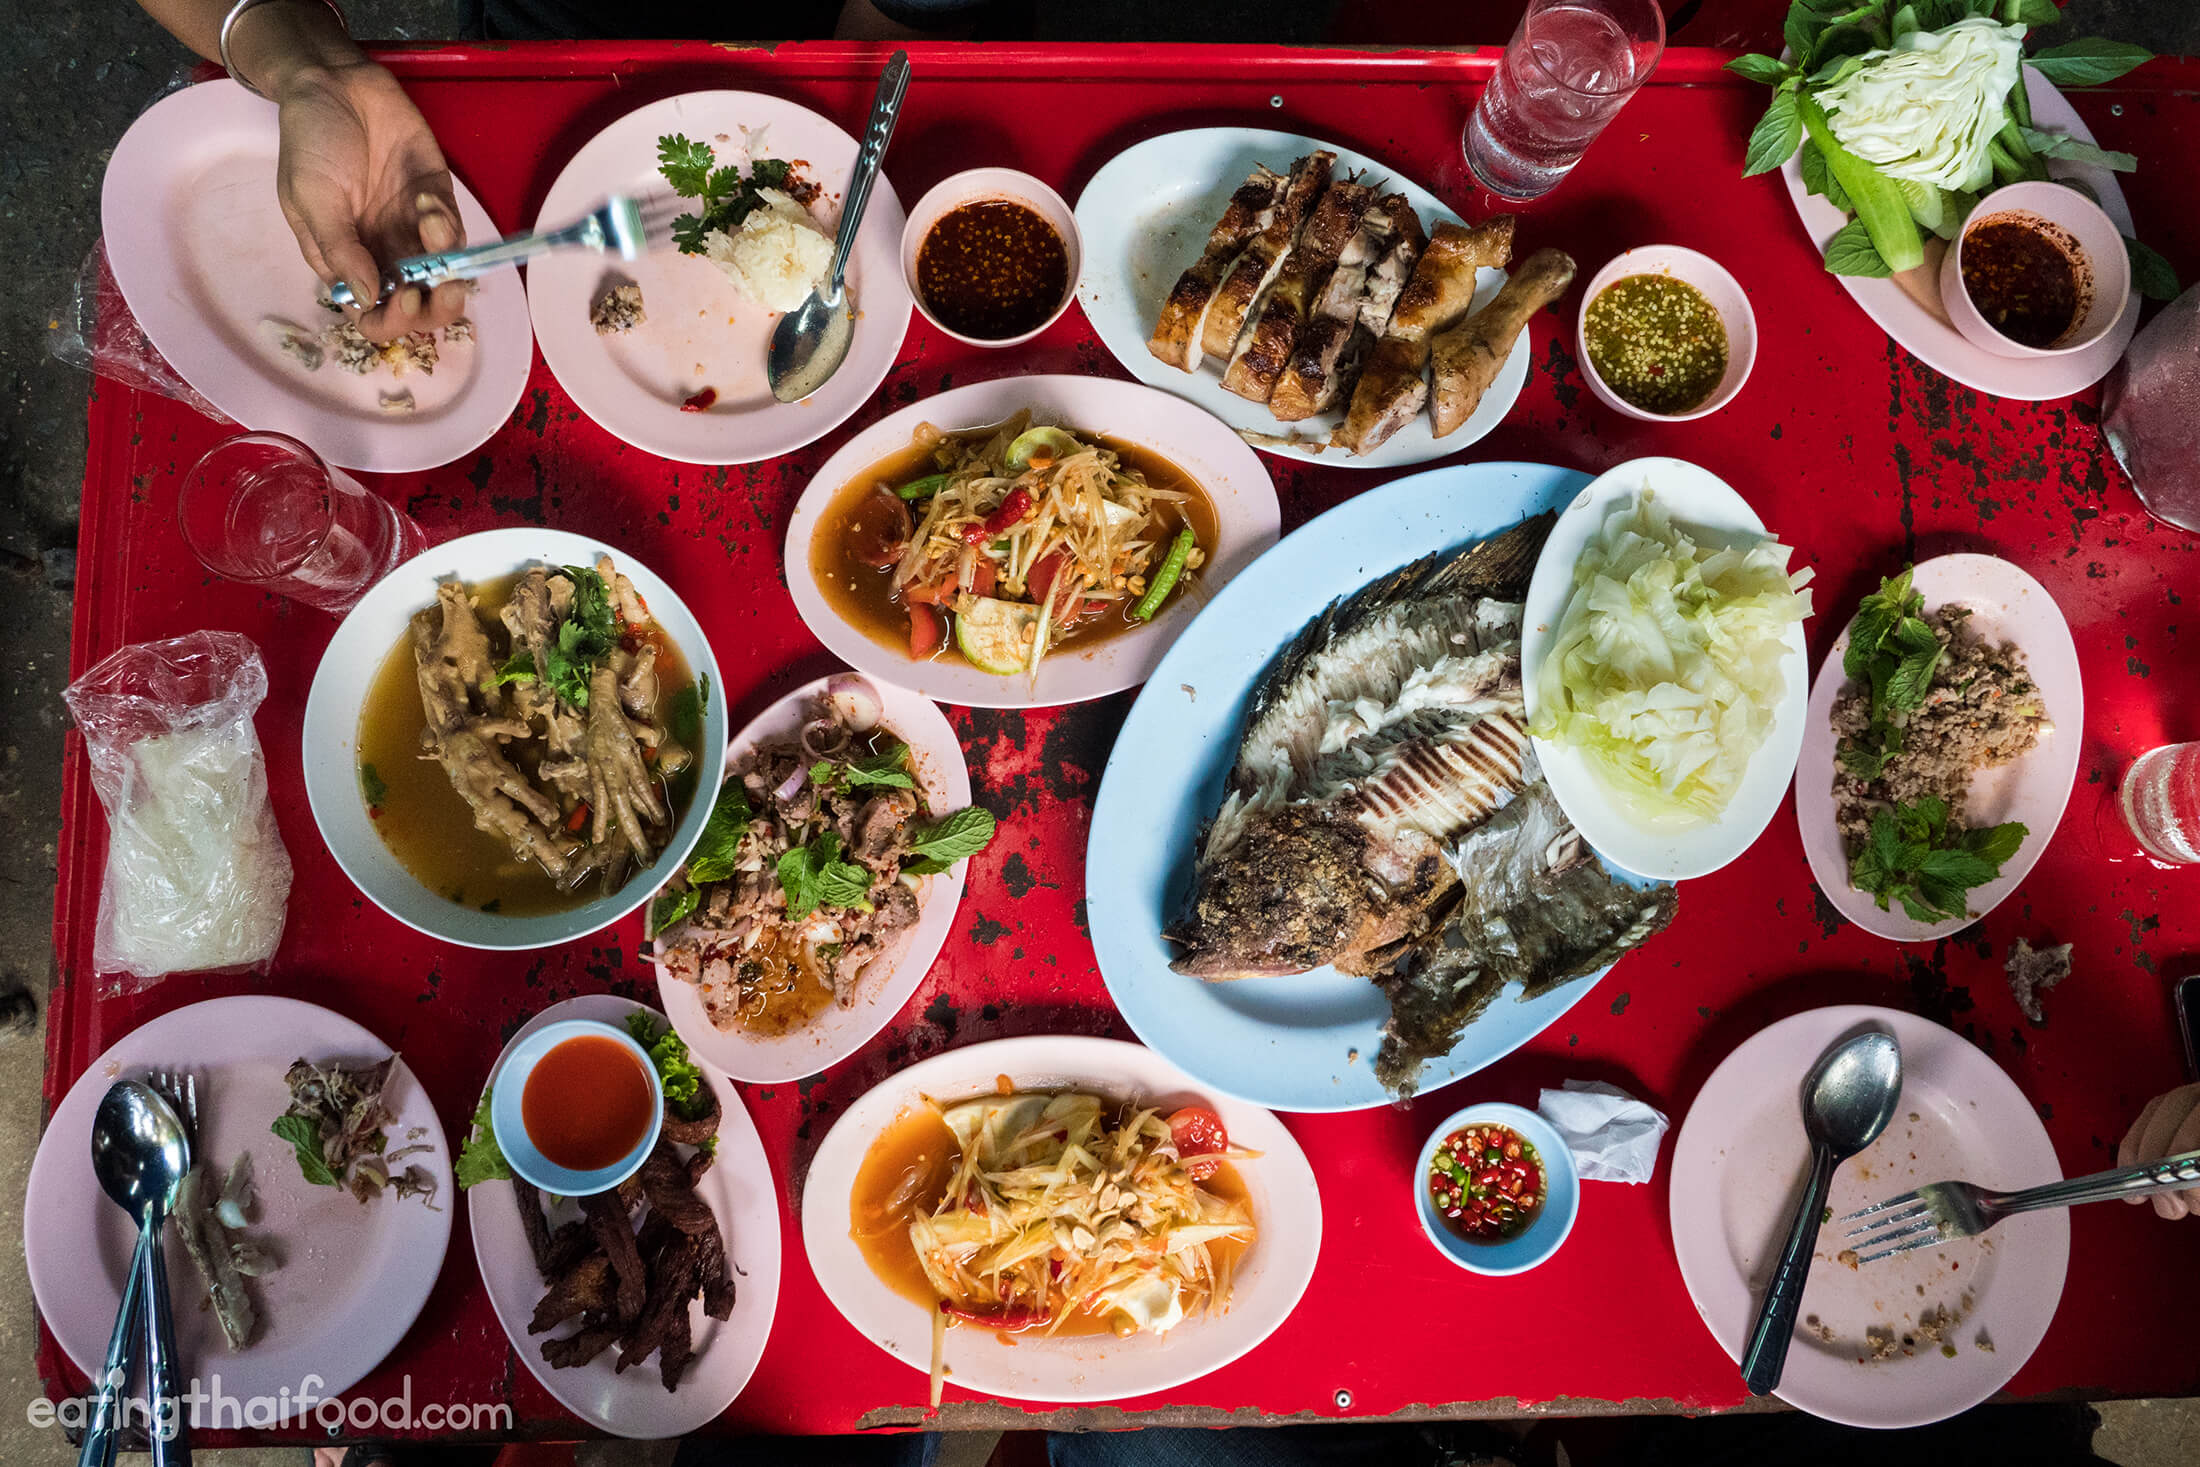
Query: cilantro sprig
{"x": 727, "y": 198}
{"x": 1892, "y": 651}
{"x": 588, "y": 632}
{"x": 1913, "y": 856}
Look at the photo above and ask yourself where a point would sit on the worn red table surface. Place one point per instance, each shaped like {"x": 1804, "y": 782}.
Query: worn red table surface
{"x": 1852, "y": 450}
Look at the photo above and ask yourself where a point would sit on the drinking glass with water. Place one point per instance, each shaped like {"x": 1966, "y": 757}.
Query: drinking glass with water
{"x": 264, "y": 510}
{"x": 1570, "y": 67}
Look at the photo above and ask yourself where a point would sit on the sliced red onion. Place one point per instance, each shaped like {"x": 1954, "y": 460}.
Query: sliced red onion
{"x": 824, "y": 738}
{"x": 854, "y": 702}
{"x": 794, "y": 782}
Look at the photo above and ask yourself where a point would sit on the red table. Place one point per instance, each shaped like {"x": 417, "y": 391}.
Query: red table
{"x": 1848, "y": 447}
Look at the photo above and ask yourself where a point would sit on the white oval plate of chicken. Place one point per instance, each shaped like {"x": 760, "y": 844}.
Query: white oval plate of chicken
{"x": 1293, "y": 287}
{"x": 1265, "y": 1283}
{"x": 872, "y": 961}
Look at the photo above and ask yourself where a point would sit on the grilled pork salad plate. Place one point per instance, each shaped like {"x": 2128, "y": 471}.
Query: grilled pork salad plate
{"x": 1189, "y": 202}
{"x": 1666, "y": 677}
{"x": 1185, "y": 1225}
{"x": 841, "y": 776}
{"x": 1024, "y": 542}
{"x": 1970, "y": 764}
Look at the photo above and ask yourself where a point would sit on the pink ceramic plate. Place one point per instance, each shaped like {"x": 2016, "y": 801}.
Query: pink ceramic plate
{"x": 740, "y": 1191}
{"x": 700, "y": 331}
{"x": 203, "y": 256}
{"x": 1740, "y": 1162}
{"x": 2006, "y": 605}
{"x": 354, "y": 1275}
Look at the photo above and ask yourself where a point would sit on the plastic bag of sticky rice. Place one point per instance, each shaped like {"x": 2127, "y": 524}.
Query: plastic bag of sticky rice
{"x": 777, "y": 256}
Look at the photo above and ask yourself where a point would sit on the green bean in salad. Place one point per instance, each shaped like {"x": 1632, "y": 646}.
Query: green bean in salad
{"x": 1165, "y": 579}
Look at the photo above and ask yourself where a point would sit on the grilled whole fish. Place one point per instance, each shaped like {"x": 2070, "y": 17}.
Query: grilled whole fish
{"x": 1381, "y": 809}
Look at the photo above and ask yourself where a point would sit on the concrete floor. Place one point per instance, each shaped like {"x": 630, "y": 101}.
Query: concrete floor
{"x": 109, "y": 61}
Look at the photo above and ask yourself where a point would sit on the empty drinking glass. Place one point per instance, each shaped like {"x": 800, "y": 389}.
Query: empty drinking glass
{"x": 1570, "y": 66}
{"x": 2160, "y": 798}
{"x": 2147, "y": 416}
{"x": 264, "y": 510}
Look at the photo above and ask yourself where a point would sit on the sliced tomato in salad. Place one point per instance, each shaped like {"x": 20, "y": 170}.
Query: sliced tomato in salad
{"x": 927, "y": 629}
{"x": 1198, "y": 1131}
{"x": 1044, "y": 570}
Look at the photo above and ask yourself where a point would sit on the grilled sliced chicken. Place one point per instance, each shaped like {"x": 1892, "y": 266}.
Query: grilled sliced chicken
{"x": 1176, "y": 336}
{"x": 1264, "y": 350}
{"x": 1392, "y": 390}
{"x": 1370, "y": 272}
{"x": 1466, "y": 357}
{"x": 1242, "y": 291}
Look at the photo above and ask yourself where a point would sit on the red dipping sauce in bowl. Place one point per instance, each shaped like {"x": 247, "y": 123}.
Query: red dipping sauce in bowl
{"x": 588, "y": 1103}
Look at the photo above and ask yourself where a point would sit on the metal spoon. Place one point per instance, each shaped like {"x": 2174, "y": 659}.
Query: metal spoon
{"x": 1847, "y": 1101}
{"x": 811, "y": 341}
{"x": 140, "y": 1154}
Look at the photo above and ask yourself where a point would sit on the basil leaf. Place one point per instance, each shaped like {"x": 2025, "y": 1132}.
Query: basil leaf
{"x": 2151, "y": 275}
{"x": 814, "y": 876}
{"x": 1960, "y": 868}
{"x": 2088, "y": 61}
{"x": 304, "y": 1135}
{"x": 669, "y": 906}
{"x": 1770, "y": 70}
{"x": 950, "y": 839}
{"x": 1773, "y": 140}
{"x": 1851, "y": 252}
{"x": 1995, "y": 843}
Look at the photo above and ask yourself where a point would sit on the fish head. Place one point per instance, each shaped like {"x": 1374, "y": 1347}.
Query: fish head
{"x": 1293, "y": 894}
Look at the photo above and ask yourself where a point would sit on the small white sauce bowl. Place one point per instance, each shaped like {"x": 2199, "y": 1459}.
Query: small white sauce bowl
{"x": 2101, "y": 256}
{"x": 1718, "y": 286}
{"x": 985, "y": 186}
{"x": 1553, "y": 1222}
{"x": 508, "y": 1124}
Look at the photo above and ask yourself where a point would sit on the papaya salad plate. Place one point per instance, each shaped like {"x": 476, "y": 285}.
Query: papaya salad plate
{"x": 1183, "y": 1225}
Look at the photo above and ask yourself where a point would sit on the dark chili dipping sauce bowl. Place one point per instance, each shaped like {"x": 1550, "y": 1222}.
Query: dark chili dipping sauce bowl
{"x": 2079, "y": 231}
{"x": 1547, "y": 1230}
{"x": 979, "y": 186}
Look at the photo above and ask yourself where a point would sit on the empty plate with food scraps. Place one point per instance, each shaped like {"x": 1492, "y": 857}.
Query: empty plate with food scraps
{"x": 1027, "y": 541}
{"x": 825, "y": 882}
{"x": 324, "y": 1250}
{"x": 1309, "y": 296}
{"x": 197, "y": 241}
{"x": 1176, "y": 1230}
{"x": 1936, "y": 763}
{"x": 710, "y": 1207}
{"x": 1664, "y": 661}
{"x": 1900, "y": 1341}
{"x": 667, "y": 351}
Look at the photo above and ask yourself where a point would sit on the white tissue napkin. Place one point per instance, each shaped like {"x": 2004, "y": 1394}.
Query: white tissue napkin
{"x": 1613, "y": 1136}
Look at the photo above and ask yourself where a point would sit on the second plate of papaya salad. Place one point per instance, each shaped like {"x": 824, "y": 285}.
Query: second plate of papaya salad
{"x": 1038, "y": 542}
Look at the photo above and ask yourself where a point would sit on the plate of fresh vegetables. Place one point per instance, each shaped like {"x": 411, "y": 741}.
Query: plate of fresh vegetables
{"x": 1890, "y": 122}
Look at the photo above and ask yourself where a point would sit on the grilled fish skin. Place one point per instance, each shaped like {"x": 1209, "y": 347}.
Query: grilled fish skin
{"x": 1531, "y": 905}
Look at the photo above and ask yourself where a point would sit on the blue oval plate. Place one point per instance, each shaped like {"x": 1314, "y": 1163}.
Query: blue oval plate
{"x": 1306, "y": 1042}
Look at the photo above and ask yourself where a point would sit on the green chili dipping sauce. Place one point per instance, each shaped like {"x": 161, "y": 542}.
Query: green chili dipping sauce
{"x": 2019, "y": 271}
{"x": 1656, "y": 341}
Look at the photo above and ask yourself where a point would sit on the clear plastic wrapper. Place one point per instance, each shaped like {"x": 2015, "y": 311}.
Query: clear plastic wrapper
{"x": 96, "y": 332}
{"x": 197, "y": 878}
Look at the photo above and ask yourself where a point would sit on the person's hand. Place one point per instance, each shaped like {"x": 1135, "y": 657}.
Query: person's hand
{"x": 2170, "y": 1124}
{"x": 363, "y": 185}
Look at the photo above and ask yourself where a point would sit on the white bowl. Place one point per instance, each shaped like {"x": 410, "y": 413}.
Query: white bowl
{"x": 2099, "y": 252}
{"x": 347, "y": 672}
{"x": 1709, "y": 509}
{"x": 507, "y": 1120}
{"x": 1719, "y": 287}
{"x": 1552, "y": 1225}
{"x": 992, "y": 185}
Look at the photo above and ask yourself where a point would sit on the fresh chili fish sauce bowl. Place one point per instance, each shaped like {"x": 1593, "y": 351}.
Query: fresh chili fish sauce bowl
{"x": 577, "y": 1107}
{"x": 1491, "y": 1239}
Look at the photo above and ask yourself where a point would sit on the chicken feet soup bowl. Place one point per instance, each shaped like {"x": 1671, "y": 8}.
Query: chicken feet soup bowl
{"x": 505, "y": 738}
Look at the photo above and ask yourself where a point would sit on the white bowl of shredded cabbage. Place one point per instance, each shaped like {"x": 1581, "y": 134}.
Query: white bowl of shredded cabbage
{"x": 1665, "y": 668}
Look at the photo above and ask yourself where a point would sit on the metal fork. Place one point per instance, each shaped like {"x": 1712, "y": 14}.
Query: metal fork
{"x": 622, "y": 225}
{"x": 1941, "y": 1211}
{"x": 180, "y": 1088}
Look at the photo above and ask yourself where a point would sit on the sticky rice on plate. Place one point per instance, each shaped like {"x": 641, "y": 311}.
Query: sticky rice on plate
{"x": 777, "y": 256}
